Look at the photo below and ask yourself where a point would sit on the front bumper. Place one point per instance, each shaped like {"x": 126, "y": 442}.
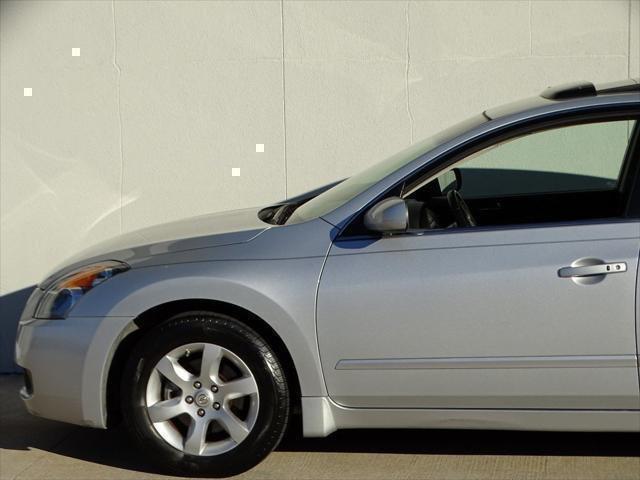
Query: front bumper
{"x": 68, "y": 361}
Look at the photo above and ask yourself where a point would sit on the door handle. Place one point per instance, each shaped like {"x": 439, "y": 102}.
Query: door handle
{"x": 591, "y": 270}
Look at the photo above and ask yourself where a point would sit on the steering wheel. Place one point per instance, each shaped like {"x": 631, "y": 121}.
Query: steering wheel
{"x": 460, "y": 210}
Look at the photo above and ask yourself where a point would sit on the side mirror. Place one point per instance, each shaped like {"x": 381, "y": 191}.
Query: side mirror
{"x": 390, "y": 215}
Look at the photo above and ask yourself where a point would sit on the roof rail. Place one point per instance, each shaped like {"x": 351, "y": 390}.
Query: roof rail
{"x": 588, "y": 89}
{"x": 630, "y": 85}
{"x": 570, "y": 90}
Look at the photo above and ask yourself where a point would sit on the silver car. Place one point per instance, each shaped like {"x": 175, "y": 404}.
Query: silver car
{"x": 485, "y": 277}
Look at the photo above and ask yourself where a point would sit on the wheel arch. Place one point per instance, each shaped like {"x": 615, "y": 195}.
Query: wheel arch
{"x": 156, "y": 315}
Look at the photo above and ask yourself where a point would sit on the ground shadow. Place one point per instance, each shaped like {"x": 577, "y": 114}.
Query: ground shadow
{"x": 11, "y": 306}
{"x": 471, "y": 442}
{"x": 115, "y": 449}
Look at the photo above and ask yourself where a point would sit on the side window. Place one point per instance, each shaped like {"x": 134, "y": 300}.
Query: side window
{"x": 578, "y": 158}
{"x": 564, "y": 174}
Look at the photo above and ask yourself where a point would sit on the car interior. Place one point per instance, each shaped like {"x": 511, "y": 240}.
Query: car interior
{"x": 432, "y": 207}
{"x": 467, "y": 196}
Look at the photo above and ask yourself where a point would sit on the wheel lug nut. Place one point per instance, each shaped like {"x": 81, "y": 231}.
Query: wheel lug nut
{"x": 189, "y": 399}
{"x": 201, "y": 412}
{"x": 197, "y": 384}
{"x": 214, "y": 388}
{"x": 216, "y": 405}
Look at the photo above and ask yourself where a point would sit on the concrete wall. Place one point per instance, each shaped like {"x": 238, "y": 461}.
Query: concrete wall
{"x": 166, "y": 98}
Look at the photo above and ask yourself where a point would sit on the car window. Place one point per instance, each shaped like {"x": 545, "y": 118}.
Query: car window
{"x": 586, "y": 157}
{"x": 562, "y": 174}
{"x": 353, "y": 186}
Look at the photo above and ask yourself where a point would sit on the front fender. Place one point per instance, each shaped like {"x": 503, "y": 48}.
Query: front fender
{"x": 281, "y": 292}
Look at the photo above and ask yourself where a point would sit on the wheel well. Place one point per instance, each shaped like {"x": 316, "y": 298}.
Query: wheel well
{"x": 161, "y": 313}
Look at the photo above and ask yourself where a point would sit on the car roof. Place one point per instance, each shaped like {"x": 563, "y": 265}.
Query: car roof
{"x": 566, "y": 92}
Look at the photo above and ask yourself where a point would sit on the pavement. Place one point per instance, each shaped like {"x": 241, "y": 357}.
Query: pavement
{"x": 33, "y": 448}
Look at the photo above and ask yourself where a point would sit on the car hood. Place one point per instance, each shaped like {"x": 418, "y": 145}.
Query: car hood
{"x": 210, "y": 230}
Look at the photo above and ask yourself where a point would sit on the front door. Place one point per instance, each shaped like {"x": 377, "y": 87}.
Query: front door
{"x": 526, "y": 316}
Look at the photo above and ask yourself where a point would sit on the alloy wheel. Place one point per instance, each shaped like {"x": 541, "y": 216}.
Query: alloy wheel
{"x": 202, "y": 399}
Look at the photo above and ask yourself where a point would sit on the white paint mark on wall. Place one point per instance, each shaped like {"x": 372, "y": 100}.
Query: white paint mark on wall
{"x": 260, "y": 147}
{"x": 235, "y": 172}
{"x": 28, "y": 92}
{"x": 75, "y": 52}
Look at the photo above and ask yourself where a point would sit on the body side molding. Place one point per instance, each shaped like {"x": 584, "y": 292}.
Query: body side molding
{"x": 555, "y": 361}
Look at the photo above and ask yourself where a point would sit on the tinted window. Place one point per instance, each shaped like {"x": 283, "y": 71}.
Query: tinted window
{"x": 564, "y": 174}
{"x": 577, "y": 158}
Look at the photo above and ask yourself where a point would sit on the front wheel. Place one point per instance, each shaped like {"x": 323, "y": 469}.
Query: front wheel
{"x": 205, "y": 395}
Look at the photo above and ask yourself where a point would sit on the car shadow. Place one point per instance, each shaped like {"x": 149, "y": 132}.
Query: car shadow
{"x": 114, "y": 448}
{"x": 11, "y": 305}
{"x": 471, "y": 442}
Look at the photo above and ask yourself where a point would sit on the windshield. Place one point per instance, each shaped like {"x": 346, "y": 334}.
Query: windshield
{"x": 355, "y": 185}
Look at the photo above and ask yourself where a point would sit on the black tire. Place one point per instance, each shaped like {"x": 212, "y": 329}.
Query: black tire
{"x": 227, "y": 332}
